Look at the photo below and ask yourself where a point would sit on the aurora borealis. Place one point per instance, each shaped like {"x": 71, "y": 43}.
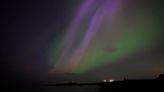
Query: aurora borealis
{"x": 103, "y": 32}
{"x": 74, "y": 50}
{"x": 79, "y": 39}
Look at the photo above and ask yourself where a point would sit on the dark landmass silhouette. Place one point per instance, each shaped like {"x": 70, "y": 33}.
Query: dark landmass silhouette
{"x": 156, "y": 85}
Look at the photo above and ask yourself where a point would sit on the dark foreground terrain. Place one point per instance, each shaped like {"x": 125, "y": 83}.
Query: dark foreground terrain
{"x": 154, "y": 85}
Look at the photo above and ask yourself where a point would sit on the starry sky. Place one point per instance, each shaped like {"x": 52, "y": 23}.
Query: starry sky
{"x": 87, "y": 40}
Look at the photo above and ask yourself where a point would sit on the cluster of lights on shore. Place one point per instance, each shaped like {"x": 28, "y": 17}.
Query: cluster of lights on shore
{"x": 111, "y": 80}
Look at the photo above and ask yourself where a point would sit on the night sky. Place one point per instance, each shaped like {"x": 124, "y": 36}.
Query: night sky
{"x": 84, "y": 40}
